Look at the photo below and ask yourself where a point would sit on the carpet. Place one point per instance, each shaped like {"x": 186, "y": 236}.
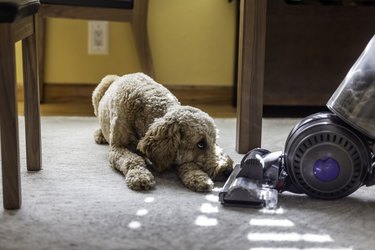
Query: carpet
{"x": 78, "y": 202}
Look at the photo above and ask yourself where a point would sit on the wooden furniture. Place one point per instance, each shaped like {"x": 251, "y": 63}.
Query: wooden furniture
{"x": 17, "y": 22}
{"x": 133, "y": 11}
{"x": 311, "y": 46}
{"x": 295, "y": 55}
{"x": 252, "y": 35}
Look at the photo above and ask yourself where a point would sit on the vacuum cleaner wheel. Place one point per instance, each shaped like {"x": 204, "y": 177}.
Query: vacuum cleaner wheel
{"x": 325, "y": 158}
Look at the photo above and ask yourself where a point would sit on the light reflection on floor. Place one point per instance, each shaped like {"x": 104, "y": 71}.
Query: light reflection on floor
{"x": 134, "y": 224}
{"x": 149, "y": 199}
{"x": 205, "y": 221}
{"x": 271, "y": 222}
{"x": 279, "y": 210}
{"x": 212, "y": 198}
{"x": 141, "y": 212}
{"x": 294, "y": 237}
{"x": 293, "y": 248}
{"x": 208, "y": 217}
{"x": 270, "y": 219}
{"x": 208, "y": 208}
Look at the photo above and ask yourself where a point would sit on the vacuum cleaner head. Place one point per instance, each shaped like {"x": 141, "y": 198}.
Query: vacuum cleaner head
{"x": 323, "y": 158}
{"x": 253, "y": 182}
{"x": 326, "y": 156}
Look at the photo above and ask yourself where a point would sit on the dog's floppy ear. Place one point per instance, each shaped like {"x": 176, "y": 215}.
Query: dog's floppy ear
{"x": 160, "y": 143}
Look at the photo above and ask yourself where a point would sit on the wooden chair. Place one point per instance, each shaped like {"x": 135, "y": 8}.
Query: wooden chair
{"x": 133, "y": 11}
{"x": 17, "y": 22}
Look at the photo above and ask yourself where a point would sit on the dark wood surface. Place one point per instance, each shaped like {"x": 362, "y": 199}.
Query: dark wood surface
{"x": 310, "y": 49}
{"x": 252, "y": 34}
{"x": 88, "y": 13}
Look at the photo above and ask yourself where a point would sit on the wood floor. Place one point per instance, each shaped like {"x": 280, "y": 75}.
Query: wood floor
{"x": 85, "y": 109}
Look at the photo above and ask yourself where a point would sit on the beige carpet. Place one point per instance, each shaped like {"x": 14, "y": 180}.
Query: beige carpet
{"x": 78, "y": 202}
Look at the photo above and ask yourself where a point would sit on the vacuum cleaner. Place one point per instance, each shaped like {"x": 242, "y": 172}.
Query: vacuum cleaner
{"x": 327, "y": 155}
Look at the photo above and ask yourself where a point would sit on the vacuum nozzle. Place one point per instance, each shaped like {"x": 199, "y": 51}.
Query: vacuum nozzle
{"x": 253, "y": 182}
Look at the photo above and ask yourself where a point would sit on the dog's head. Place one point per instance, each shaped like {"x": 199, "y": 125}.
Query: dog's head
{"x": 185, "y": 135}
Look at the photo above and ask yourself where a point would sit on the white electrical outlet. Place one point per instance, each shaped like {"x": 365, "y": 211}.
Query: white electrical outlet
{"x": 98, "y": 38}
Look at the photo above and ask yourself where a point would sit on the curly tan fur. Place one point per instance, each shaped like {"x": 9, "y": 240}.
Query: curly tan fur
{"x": 140, "y": 119}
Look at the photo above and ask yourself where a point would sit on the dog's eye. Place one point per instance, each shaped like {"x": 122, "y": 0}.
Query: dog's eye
{"x": 202, "y": 144}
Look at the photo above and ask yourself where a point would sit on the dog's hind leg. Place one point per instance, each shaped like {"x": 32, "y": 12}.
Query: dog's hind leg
{"x": 133, "y": 166}
{"x": 99, "y": 137}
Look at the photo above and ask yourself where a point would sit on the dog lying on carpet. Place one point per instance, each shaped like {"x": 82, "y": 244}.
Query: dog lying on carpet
{"x": 141, "y": 120}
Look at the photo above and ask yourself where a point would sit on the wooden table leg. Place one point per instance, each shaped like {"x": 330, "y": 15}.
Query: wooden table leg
{"x": 31, "y": 97}
{"x": 252, "y": 39}
{"x": 9, "y": 120}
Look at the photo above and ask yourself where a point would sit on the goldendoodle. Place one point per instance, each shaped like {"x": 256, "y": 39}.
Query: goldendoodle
{"x": 142, "y": 121}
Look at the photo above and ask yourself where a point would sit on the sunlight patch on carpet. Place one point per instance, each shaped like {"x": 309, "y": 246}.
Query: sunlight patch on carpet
{"x": 134, "y": 224}
{"x": 271, "y": 222}
{"x": 142, "y": 212}
{"x": 149, "y": 199}
{"x": 279, "y": 210}
{"x": 208, "y": 208}
{"x": 293, "y": 248}
{"x": 205, "y": 221}
{"x": 212, "y": 198}
{"x": 294, "y": 237}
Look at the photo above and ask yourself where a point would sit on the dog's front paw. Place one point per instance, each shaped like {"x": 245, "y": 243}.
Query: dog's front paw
{"x": 198, "y": 182}
{"x": 140, "y": 179}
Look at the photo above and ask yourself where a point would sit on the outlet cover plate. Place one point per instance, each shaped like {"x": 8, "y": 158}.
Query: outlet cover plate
{"x": 98, "y": 38}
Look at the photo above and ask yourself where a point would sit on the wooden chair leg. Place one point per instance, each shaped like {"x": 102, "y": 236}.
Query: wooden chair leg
{"x": 250, "y": 74}
{"x": 41, "y": 42}
{"x": 9, "y": 120}
{"x": 139, "y": 26}
{"x": 31, "y": 97}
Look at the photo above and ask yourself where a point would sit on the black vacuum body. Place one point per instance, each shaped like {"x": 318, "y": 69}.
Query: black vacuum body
{"x": 327, "y": 155}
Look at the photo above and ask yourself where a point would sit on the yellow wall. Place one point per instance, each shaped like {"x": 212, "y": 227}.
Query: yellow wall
{"x": 192, "y": 43}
